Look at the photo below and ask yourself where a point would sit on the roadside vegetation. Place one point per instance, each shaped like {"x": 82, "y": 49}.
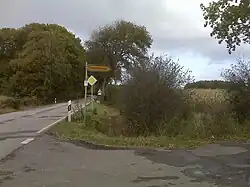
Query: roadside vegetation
{"x": 162, "y": 114}
{"x": 157, "y": 102}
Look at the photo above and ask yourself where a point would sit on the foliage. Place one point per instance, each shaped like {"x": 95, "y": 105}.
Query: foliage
{"x": 208, "y": 84}
{"x": 211, "y": 115}
{"x": 239, "y": 91}
{"x": 113, "y": 95}
{"x": 152, "y": 95}
{"x": 119, "y": 45}
{"x": 97, "y": 131}
{"x": 41, "y": 60}
{"x": 229, "y": 22}
{"x": 200, "y": 130}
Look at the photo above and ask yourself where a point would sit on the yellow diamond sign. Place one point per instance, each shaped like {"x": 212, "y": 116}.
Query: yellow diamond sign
{"x": 92, "y": 80}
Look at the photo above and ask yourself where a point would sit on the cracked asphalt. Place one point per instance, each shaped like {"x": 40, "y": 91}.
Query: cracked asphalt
{"x": 47, "y": 162}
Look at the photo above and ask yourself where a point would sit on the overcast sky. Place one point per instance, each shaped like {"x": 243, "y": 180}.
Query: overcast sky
{"x": 176, "y": 26}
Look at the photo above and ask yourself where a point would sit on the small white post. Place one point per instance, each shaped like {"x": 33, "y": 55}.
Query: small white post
{"x": 55, "y": 100}
{"x": 99, "y": 93}
{"x": 69, "y": 111}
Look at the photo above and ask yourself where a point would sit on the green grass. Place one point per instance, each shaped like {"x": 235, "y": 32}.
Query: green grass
{"x": 78, "y": 131}
{"x": 74, "y": 131}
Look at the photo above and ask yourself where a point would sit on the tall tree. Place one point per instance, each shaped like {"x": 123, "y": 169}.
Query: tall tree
{"x": 229, "y": 20}
{"x": 118, "y": 45}
{"x": 50, "y": 64}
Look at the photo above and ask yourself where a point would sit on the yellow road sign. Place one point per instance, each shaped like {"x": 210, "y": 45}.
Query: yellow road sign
{"x": 98, "y": 68}
{"x": 92, "y": 80}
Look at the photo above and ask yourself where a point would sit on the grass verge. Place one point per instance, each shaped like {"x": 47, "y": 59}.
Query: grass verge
{"x": 78, "y": 131}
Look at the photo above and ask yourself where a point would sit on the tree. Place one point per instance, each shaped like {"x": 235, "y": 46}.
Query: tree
{"x": 50, "y": 63}
{"x": 11, "y": 42}
{"x": 152, "y": 96}
{"x": 239, "y": 91}
{"x": 119, "y": 45}
{"x": 230, "y": 23}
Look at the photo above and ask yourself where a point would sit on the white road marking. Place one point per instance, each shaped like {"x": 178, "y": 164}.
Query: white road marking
{"x": 28, "y": 140}
{"x": 61, "y": 119}
{"x": 50, "y": 125}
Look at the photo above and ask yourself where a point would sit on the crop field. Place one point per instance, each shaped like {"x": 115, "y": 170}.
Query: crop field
{"x": 210, "y": 94}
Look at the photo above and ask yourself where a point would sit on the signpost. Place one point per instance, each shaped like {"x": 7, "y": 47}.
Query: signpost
{"x": 98, "y": 68}
{"x": 92, "y": 80}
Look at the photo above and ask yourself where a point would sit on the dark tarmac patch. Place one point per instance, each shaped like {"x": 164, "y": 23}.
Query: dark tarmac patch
{"x": 230, "y": 170}
{"x": 146, "y": 179}
{"x": 17, "y": 134}
{"x": 89, "y": 145}
{"x": 177, "y": 158}
{"x": 50, "y": 117}
{"x": 11, "y": 156}
{"x": 6, "y": 121}
{"x": 27, "y": 169}
{"x": 27, "y": 116}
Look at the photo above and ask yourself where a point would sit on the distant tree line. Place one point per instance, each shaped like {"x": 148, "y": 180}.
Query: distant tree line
{"x": 209, "y": 84}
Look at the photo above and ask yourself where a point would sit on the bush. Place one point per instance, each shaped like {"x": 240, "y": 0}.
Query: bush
{"x": 152, "y": 96}
{"x": 239, "y": 91}
{"x": 14, "y": 103}
{"x": 112, "y": 95}
{"x": 30, "y": 101}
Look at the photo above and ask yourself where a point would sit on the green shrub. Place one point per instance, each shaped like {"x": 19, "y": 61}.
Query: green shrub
{"x": 153, "y": 98}
{"x": 204, "y": 125}
{"x": 14, "y": 103}
{"x": 30, "y": 101}
{"x": 112, "y": 95}
{"x": 239, "y": 89}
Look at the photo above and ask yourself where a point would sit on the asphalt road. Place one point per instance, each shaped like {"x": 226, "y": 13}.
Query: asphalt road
{"x": 47, "y": 162}
{"x": 20, "y": 128}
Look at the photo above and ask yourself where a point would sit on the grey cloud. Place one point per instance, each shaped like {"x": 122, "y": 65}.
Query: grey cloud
{"x": 171, "y": 29}
{"x": 205, "y": 46}
{"x": 81, "y": 16}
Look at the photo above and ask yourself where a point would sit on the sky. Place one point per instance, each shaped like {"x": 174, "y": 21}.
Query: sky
{"x": 175, "y": 25}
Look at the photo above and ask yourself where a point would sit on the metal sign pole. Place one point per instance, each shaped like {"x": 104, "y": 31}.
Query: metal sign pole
{"x": 85, "y": 93}
{"x": 92, "y": 97}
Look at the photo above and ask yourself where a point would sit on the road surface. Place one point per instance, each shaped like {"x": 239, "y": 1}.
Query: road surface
{"x": 21, "y": 127}
{"x": 47, "y": 162}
